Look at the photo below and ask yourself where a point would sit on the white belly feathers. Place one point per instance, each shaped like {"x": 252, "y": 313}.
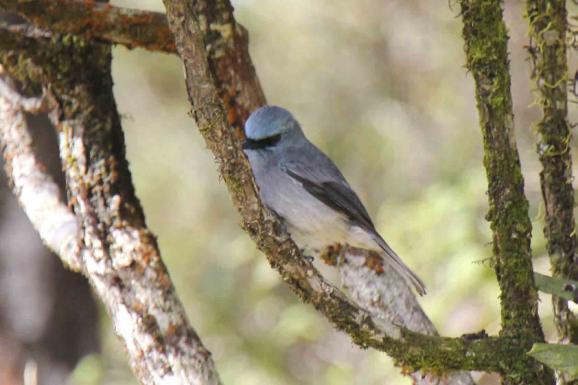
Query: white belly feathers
{"x": 312, "y": 224}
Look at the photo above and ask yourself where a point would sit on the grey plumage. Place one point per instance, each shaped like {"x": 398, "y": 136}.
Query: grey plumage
{"x": 308, "y": 192}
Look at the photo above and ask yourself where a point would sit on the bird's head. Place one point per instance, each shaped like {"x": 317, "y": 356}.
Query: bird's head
{"x": 269, "y": 125}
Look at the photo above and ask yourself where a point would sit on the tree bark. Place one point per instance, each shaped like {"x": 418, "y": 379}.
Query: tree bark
{"x": 223, "y": 90}
{"x": 119, "y": 254}
{"x": 548, "y": 27}
{"x": 99, "y": 21}
{"x": 48, "y": 316}
{"x": 486, "y": 49}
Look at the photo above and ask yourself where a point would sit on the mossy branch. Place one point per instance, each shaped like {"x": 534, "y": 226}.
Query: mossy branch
{"x": 414, "y": 351}
{"x": 29, "y": 62}
{"x": 216, "y": 47}
{"x": 548, "y": 26}
{"x": 486, "y": 38}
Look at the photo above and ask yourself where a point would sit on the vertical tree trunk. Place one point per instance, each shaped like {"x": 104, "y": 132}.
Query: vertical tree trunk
{"x": 486, "y": 49}
{"x": 548, "y": 27}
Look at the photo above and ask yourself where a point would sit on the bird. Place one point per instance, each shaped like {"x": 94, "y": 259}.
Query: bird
{"x": 305, "y": 189}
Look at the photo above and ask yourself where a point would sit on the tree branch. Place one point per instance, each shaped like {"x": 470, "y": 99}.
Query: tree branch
{"x": 226, "y": 46}
{"x": 548, "y": 27}
{"x": 121, "y": 258}
{"x": 96, "y": 20}
{"x": 486, "y": 39}
{"x": 224, "y": 42}
{"x": 31, "y": 60}
{"x": 414, "y": 351}
{"x": 37, "y": 193}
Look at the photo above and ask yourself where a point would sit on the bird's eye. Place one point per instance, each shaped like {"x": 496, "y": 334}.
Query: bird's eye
{"x": 260, "y": 144}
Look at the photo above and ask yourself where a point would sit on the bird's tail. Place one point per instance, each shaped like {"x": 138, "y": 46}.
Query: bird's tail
{"x": 395, "y": 261}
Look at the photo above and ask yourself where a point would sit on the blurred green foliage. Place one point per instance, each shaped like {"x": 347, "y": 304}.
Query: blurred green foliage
{"x": 563, "y": 357}
{"x": 381, "y": 87}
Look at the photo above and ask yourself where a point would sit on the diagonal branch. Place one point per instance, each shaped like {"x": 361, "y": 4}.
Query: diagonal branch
{"x": 189, "y": 23}
{"x": 228, "y": 64}
{"x": 37, "y": 193}
{"x": 97, "y": 20}
{"x": 548, "y": 27}
{"x": 151, "y": 314}
{"x": 306, "y": 281}
{"x": 121, "y": 258}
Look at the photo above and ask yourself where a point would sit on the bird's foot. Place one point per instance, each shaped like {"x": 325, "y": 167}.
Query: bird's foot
{"x": 374, "y": 261}
{"x": 330, "y": 255}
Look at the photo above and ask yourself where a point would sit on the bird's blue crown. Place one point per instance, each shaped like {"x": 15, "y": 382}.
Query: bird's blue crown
{"x": 269, "y": 121}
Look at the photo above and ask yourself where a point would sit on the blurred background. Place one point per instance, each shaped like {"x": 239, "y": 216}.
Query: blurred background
{"x": 381, "y": 87}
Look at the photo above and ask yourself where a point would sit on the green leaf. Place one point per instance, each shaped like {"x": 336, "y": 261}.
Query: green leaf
{"x": 557, "y": 356}
{"x": 563, "y": 288}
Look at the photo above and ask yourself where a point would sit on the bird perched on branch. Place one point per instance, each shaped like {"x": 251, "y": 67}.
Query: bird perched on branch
{"x": 307, "y": 191}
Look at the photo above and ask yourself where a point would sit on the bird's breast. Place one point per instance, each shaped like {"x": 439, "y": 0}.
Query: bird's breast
{"x": 312, "y": 224}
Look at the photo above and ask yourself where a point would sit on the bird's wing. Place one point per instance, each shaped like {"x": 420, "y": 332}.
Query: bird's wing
{"x": 326, "y": 183}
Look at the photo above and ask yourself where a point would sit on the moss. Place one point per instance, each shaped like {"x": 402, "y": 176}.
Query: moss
{"x": 548, "y": 26}
{"x": 486, "y": 38}
{"x": 78, "y": 72}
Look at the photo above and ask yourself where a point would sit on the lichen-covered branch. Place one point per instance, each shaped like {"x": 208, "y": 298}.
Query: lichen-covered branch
{"x": 548, "y": 27}
{"x": 97, "y": 20}
{"x": 486, "y": 49}
{"x": 121, "y": 258}
{"x": 239, "y": 90}
{"x": 37, "y": 193}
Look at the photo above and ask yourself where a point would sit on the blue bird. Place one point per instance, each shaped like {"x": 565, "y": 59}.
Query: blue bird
{"x": 307, "y": 191}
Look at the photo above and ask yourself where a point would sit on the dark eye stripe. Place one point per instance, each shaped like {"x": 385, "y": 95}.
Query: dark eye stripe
{"x": 251, "y": 144}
